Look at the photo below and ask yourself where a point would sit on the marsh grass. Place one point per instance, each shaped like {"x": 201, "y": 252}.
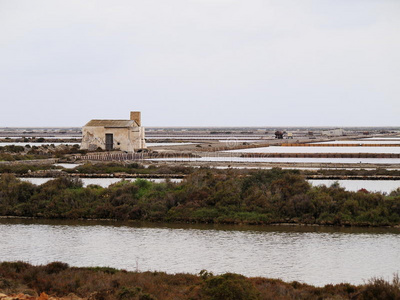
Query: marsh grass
{"x": 60, "y": 280}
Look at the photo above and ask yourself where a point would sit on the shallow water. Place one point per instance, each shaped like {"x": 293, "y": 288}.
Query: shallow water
{"x": 361, "y": 142}
{"x": 210, "y": 137}
{"x": 317, "y": 149}
{"x": 315, "y": 255}
{"x": 383, "y": 138}
{"x": 321, "y": 160}
{"x": 103, "y": 182}
{"x": 67, "y": 166}
{"x": 383, "y": 186}
{"x": 168, "y": 144}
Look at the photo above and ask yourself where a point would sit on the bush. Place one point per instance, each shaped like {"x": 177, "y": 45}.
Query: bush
{"x": 229, "y": 286}
{"x": 126, "y": 293}
{"x": 17, "y": 266}
{"x": 55, "y": 267}
{"x": 380, "y": 289}
{"x": 228, "y": 196}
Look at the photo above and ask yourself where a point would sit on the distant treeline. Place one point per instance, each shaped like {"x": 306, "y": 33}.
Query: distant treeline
{"x": 102, "y": 283}
{"x": 205, "y": 196}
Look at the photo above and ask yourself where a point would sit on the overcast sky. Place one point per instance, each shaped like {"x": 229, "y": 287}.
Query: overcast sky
{"x": 200, "y": 62}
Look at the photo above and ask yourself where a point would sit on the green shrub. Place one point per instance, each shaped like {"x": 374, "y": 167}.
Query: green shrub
{"x": 229, "y": 286}
{"x": 262, "y": 197}
{"x": 55, "y": 267}
{"x": 126, "y": 293}
{"x": 106, "y": 270}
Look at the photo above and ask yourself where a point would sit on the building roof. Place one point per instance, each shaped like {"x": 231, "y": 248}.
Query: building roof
{"x": 112, "y": 123}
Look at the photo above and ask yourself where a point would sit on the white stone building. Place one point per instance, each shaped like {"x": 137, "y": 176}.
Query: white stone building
{"x": 124, "y": 135}
{"x": 333, "y": 132}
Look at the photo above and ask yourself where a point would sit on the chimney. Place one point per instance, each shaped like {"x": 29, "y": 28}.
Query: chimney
{"x": 135, "y": 116}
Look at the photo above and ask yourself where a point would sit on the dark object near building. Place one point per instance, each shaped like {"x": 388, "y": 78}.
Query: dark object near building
{"x": 278, "y": 134}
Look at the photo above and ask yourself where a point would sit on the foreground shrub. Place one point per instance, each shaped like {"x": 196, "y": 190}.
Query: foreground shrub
{"x": 380, "y": 289}
{"x": 55, "y": 267}
{"x": 230, "y": 286}
{"x": 60, "y": 280}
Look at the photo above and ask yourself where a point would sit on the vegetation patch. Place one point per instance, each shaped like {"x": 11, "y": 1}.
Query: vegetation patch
{"x": 204, "y": 196}
{"x": 60, "y": 280}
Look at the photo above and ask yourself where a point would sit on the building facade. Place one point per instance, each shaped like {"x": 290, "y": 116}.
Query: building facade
{"x": 333, "y": 132}
{"x": 124, "y": 135}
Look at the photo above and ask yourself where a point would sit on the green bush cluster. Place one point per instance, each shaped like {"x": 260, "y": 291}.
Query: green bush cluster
{"x": 24, "y": 168}
{"x": 262, "y": 197}
{"x": 131, "y": 168}
{"x": 230, "y": 286}
{"x": 12, "y": 149}
{"x": 26, "y": 152}
{"x": 15, "y": 157}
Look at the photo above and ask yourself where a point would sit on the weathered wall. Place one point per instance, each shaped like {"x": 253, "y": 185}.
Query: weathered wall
{"x": 138, "y": 139}
{"x": 125, "y": 139}
{"x": 92, "y": 138}
{"x": 136, "y": 116}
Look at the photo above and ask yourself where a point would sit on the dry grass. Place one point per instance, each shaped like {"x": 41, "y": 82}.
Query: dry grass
{"x": 59, "y": 280}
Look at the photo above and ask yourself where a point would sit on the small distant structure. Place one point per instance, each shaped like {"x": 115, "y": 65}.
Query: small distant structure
{"x": 289, "y": 135}
{"x": 279, "y": 134}
{"x": 333, "y": 132}
{"x": 124, "y": 135}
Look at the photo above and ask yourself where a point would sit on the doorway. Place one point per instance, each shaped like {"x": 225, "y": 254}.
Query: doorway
{"x": 109, "y": 141}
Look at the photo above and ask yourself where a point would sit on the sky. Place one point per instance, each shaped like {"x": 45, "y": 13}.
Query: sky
{"x": 200, "y": 62}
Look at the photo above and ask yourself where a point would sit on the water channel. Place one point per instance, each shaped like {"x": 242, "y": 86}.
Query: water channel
{"x": 103, "y": 182}
{"x": 315, "y": 255}
{"x": 383, "y": 186}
